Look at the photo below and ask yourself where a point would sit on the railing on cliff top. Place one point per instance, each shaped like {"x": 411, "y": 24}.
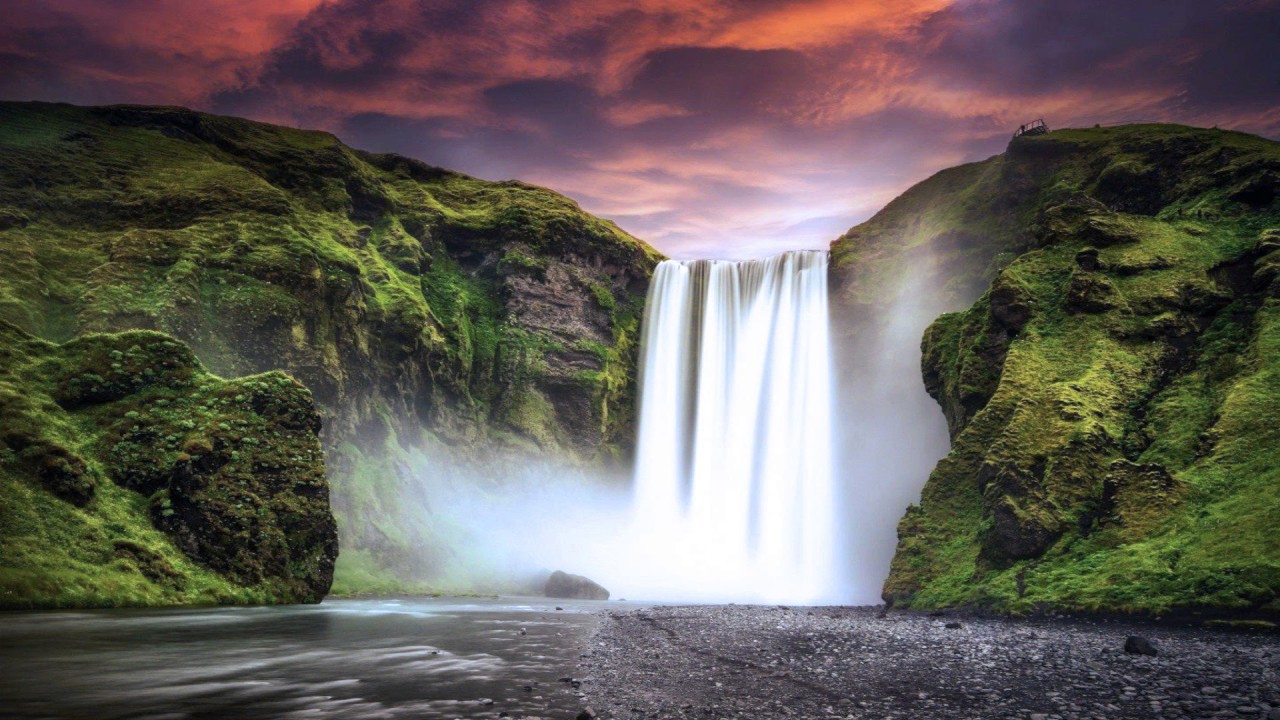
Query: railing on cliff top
{"x": 1035, "y": 127}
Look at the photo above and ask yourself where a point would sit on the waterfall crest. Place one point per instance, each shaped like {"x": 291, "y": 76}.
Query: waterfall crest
{"x": 734, "y": 477}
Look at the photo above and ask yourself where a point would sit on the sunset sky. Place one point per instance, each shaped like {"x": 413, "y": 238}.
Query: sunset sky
{"x": 707, "y": 127}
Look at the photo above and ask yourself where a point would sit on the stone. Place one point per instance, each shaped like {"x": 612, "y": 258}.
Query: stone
{"x": 575, "y": 587}
{"x": 1138, "y": 645}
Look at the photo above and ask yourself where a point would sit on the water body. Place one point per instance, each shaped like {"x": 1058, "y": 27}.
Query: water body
{"x": 419, "y": 658}
{"x": 734, "y": 488}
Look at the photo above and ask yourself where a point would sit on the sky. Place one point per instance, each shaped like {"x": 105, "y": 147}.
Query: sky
{"x": 710, "y": 128}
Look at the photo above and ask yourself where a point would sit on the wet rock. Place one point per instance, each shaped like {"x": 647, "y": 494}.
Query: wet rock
{"x": 575, "y": 587}
{"x": 587, "y": 714}
{"x": 1138, "y": 645}
{"x": 672, "y": 662}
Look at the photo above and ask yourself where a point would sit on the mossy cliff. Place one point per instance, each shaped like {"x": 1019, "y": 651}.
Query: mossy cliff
{"x": 1113, "y": 395}
{"x": 131, "y": 476}
{"x": 435, "y": 317}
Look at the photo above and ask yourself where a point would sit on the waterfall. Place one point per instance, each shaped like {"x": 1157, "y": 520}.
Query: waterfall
{"x": 734, "y": 487}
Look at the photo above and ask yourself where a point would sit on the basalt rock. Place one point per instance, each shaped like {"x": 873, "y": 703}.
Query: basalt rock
{"x": 1138, "y": 645}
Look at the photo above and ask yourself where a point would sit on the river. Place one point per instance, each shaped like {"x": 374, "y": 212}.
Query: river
{"x": 369, "y": 658}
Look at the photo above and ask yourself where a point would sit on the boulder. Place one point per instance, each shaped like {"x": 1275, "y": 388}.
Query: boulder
{"x": 1137, "y": 645}
{"x": 574, "y": 587}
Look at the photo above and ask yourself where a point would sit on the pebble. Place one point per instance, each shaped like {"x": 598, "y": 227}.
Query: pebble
{"x": 752, "y": 662}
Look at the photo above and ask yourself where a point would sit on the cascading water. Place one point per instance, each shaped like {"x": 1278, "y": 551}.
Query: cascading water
{"x": 734, "y": 488}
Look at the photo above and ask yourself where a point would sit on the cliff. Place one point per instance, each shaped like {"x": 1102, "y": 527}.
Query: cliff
{"x": 439, "y": 320}
{"x": 1113, "y": 394}
{"x": 131, "y": 476}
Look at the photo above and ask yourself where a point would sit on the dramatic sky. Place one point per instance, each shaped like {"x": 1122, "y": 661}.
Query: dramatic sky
{"x": 708, "y": 127}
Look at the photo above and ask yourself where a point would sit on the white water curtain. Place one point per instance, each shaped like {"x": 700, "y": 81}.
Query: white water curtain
{"x": 734, "y": 489}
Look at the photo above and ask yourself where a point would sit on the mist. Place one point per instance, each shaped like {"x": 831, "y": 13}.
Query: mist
{"x": 890, "y": 432}
{"x": 772, "y": 465}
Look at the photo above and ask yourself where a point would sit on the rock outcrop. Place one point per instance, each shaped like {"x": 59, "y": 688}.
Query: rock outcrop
{"x": 1112, "y": 393}
{"x": 439, "y": 320}
{"x": 131, "y": 476}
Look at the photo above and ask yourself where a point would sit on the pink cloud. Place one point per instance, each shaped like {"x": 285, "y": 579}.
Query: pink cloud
{"x": 717, "y": 126}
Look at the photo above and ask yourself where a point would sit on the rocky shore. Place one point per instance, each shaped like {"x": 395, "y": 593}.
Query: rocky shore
{"x": 775, "y": 662}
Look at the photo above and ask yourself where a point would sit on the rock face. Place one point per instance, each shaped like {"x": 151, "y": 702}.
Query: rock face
{"x": 1110, "y": 394}
{"x": 437, "y": 319}
{"x": 573, "y": 587}
{"x": 131, "y": 476}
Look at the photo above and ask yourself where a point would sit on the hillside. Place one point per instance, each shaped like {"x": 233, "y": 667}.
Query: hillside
{"x": 131, "y": 476}
{"x": 1113, "y": 395}
{"x": 437, "y": 319}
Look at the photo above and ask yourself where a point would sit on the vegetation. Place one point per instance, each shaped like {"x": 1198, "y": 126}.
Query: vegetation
{"x": 422, "y": 307}
{"x": 1113, "y": 394}
{"x": 131, "y": 476}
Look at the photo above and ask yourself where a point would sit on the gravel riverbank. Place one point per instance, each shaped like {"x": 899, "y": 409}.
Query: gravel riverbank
{"x": 774, "y": 662}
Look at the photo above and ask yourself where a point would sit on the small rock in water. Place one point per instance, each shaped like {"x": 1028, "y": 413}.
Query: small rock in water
{"x": 587, "y": 714}
{"x": 1138, "y": 645}
{"x": 954, "y": 626}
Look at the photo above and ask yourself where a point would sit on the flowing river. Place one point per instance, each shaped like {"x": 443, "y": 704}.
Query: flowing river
{"x": 383, "y": 658}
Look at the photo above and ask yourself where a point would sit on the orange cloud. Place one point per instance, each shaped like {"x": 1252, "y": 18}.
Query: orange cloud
{"x": 755, "y": 125}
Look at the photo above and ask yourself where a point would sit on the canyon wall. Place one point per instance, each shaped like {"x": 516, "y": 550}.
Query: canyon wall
{"x": 440, "y": 321}
{"x": 1112, "y": 395}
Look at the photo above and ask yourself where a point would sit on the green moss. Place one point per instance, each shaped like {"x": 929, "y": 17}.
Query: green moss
{"x": 604, "y": 297}
{"x": 516, "y": 260}
{"x": 130, "y": 476}
{"x": 1107, "y": 395}
{"x": 390, "y": 288}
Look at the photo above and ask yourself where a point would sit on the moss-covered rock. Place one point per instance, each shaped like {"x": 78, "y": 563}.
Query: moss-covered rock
{"x": 131, "y": 476}
{"x": 1114, "y": 394}
{"x": 486, "y": 322}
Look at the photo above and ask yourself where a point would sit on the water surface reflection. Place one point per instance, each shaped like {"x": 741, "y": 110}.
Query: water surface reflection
{"x": 383, "y": 658}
